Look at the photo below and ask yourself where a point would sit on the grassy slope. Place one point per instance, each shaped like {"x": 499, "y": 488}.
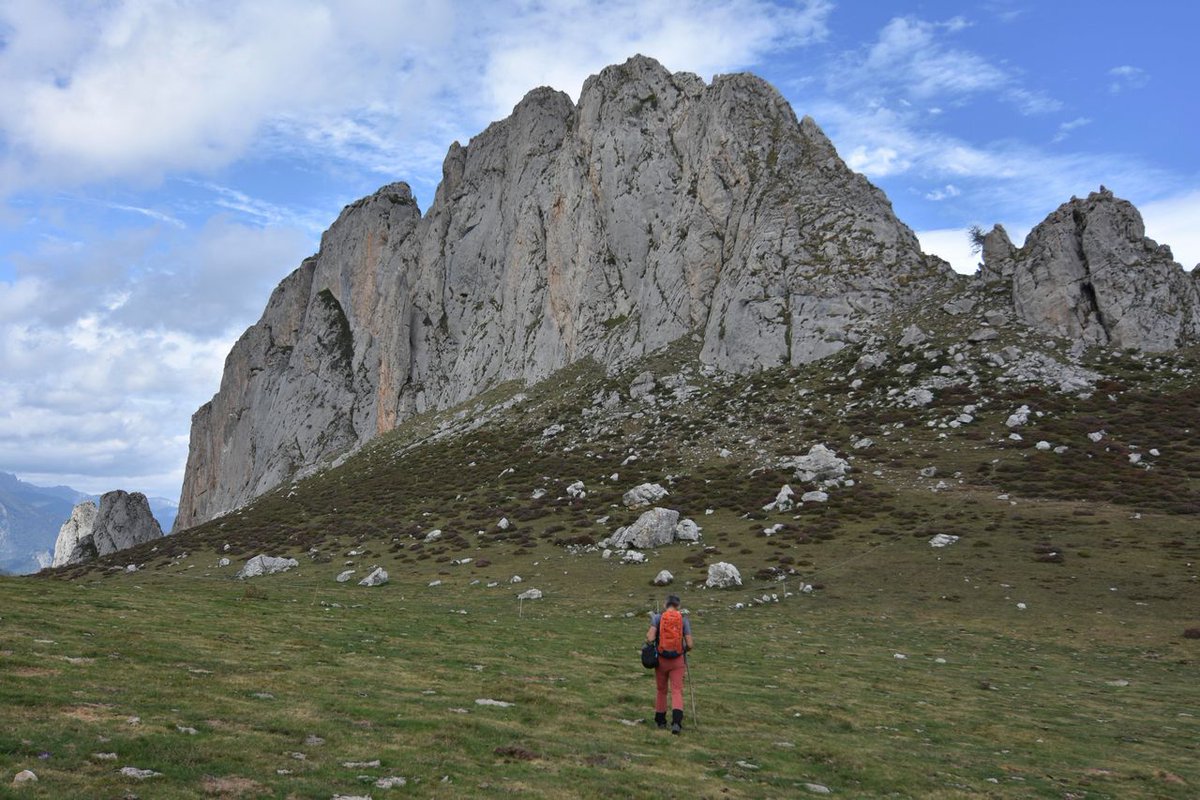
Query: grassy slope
{"x": 807, "y": 690}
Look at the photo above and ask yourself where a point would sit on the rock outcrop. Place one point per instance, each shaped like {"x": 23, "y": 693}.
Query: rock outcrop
{"x": 656, "y": 207}
{"x": 123, "y": 520}
{"x": 1089, "y": 273}
{"x": 77, "y": 529}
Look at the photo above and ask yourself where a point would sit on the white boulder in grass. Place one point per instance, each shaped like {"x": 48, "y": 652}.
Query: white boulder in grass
{"x": 644, "y": 495}
{"x": 530, "y": 594}
{"x": 942, "y": 540}
{"x": 1018, "y": 417}
{"x": 378, "y": 577}
{"x": 663, "y": 578}
{"x": 783, "y": 501}
{"x": 265, "y": 565}
{"x": 814, "y": 497}
{"x": 687, "y": 531}
{"x": 654, "y": 528}
{"x": 577, "y": 490}
{"x": 820, "y": 464}
{"x": 723, "y": 575}
{"x": 345, "y": 575}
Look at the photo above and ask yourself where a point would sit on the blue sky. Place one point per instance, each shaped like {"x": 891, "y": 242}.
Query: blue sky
{"x": 163, "y": 164}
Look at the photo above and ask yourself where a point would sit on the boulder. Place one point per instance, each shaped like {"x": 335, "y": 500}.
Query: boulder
{"x": 654, "y": 528}
{"x": 814, "y": 497}
{"x": 687, "y": 531}
{"x": 24, "y": 776}
{"x": 912, "y": 336}
{"x": 266, "y": 565}
{"x": 663, "y": 578}
{"x": 821, "y": 464}
{"x": 576, "y": 490}
{"x": 644, "y": 495}
{"x": 723, "y": 575}
{"x": 345, "y": 575}
{"x": 783, "y": 500}
{"x": 530, "y": 594}
{"x": 378, "y": 577}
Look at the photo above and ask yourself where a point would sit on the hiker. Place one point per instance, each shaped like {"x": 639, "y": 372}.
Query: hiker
{"x": 673, "y": 633}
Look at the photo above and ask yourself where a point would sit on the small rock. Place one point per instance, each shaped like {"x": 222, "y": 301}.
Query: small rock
{"x": 139, "y": 774}
{"x": 187, "y": 730}
{"x": 983, "y": 335}
{"x": 1043, "y": 445}
{"x": 942, "y": 540}
{"x": 663, "y": 578}
{"x": 814, "y": 497}
{"x": 433, "y": 535}
{"x": 104, "y": 756}
{"x": 345, "y": 575}
{"x": 361, "y": 764}
{"x": 817, "y": 788}
{"x": 487, "y": 701}
{"x": 391, "y": 783}
{"x": 504, "y": 524}
{"x": 576, "y": 490}
{"x": 24, "y": 776}
{"x": 224, "y": 562}
{"x": 530, "y": 594}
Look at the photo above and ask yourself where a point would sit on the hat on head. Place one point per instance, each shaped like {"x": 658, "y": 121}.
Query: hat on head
{"x": 673, "y": 600}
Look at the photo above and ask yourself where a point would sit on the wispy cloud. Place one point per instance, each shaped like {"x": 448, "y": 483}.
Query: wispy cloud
{"x": 1065, "y": 128}
{"x": 158, "y": 216}
{"x": 947, "y": 191}
{"x": 1125, "y": 77}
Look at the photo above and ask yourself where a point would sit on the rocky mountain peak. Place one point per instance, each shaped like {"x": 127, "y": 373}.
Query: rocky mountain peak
{"x": 656, "y": 208}
{"x": 1088, "y": 272}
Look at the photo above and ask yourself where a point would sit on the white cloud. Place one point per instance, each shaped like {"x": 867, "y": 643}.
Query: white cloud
{"x": 947, "y": 191}
{"x": 1065, "y": 128}
{"x": 106, "y": 349}
{"x": 560, "y": 44}
{"x": 952, "y": 244}
{"x": 1127, "y": 77}
{"x": 1173, "y": 221}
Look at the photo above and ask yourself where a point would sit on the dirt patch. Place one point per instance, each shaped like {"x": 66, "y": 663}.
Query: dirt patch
{"x": 89, "y": 712}
{"x": 516, "y": 753}
{"x": 34, "y": 672}
{"x": 231, "y": 786}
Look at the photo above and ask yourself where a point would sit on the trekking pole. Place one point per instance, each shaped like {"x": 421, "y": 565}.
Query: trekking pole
{"x": 688, "y": 669}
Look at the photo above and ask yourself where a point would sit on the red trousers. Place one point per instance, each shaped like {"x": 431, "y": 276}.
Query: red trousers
{"x": 669, "y": 672}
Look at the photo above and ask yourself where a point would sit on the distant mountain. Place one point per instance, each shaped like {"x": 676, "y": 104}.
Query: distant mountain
{"x": 31, "y": 515}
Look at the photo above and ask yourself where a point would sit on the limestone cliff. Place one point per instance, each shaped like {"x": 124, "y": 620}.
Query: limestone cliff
{"x": 1089, "y": 273}
{"x": 656, "y": 207}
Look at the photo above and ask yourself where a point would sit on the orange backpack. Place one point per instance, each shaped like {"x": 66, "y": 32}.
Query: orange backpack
{"x": 670, "y": 634}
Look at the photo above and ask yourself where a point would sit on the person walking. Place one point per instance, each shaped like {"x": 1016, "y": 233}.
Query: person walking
{"x": 673, "y": 634}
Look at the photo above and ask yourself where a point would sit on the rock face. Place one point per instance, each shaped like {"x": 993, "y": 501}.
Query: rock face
{"x": 76, "y": 530}
{"x": 655, "y": 208}
{"x": 1089, "y": 273}
{"x": 123, "y": 520}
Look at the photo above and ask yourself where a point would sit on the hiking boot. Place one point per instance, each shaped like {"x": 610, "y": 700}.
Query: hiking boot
{"x": 660, "y": 719}
{"x": 677, "y": 721}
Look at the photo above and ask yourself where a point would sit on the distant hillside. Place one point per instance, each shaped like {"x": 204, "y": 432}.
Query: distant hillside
{"x": 31, "y": 515}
